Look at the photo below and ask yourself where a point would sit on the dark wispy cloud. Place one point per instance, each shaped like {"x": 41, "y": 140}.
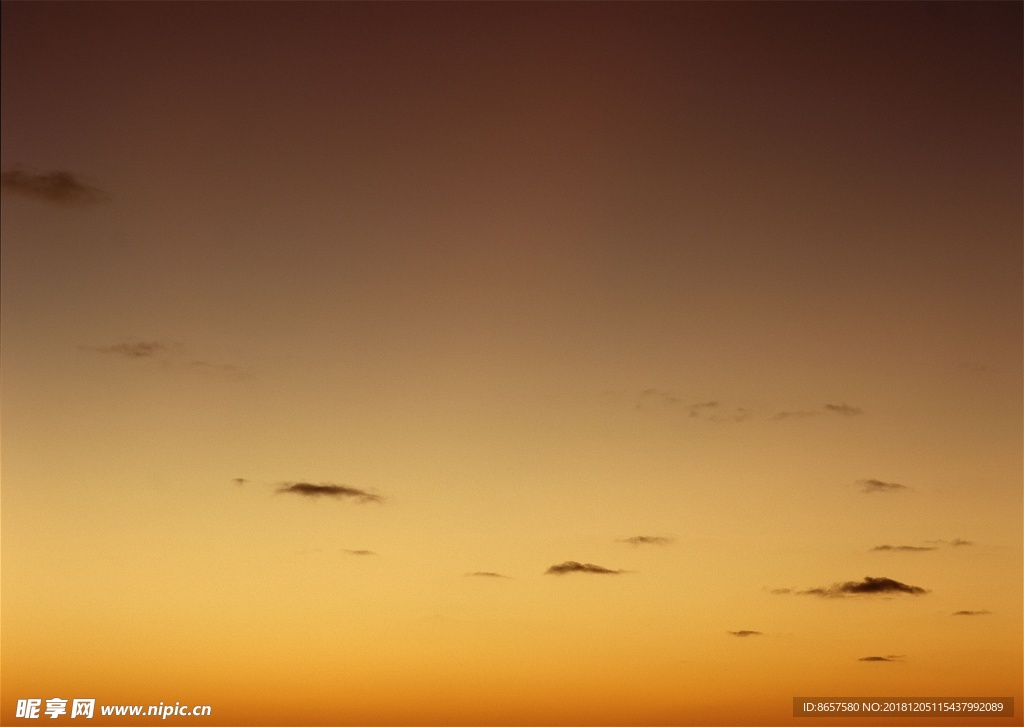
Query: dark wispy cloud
{"x": 802, "y": 414}
{"x": 746, "y": 632}
{"x": 168, "y": 355}
{"x": 656, "y": 396}
{"x": 710, "y": 411}
{"x": 840, "y": 409}
{"x": 972, "y": 613}
{"x": 240, "y": 481}
{"x": 891, "y": 657}
{"x": 868, "y": 587}
{"x": 485, "y": 574}
{"x": 648, "y": 540}
{"x": 58, "y": 188}
{"x": 132, "y": 349}
{"x": 955, "y": 542}
{"x": 714, "y": 411}
{"x": 870, "y": 486}
{"x": 307, "y": 489}
{"x": 360, "y": 552}
{"x": 907, "y": 548}
{"x": 571, "y": 566}
{"x": 843, "y": 409}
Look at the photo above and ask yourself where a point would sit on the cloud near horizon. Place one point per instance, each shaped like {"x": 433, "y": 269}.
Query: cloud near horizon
{"x": 746, "y": 632}
{"x": 485, "y": 574}
{"x": 307, "y": 489}
{"x": 891, "y": 657}
{"x": 907, "y": 548}
{"x": 972, "y": 613}
{"x": 571, "y": 566}
{"x": 868, "y": 587}
{"x": 59, "y": 188}
{"x": 360, "y": 552}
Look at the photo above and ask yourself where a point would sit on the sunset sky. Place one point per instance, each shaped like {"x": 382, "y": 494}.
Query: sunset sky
{"x": 511, "y": 364}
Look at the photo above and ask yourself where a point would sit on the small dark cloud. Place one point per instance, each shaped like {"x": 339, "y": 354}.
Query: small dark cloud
{"x": 714, "y": 411}
{"x": 781, "y": 591}
{"x": 132, "y": 349}
{"x": 240, "y": 481}
{"x": 843, "y": 409}
{"x": 955, "y": 542}
{"x": 794, "y": 415}
{"x": 972, "y": 613}
{"x": 59, "y": 188}
{"x": 746, "y": 632}
{"x": 306, "y": 489}
{"x": 360, "y": 552}
{"x": 891, "y": 657}
{"x": 656, "y": 397}
{"x": 485, "y": 574}
{"x": 571, "y": 566}
{"x": 880, "y": 486}
{"x": 647, "y": 540}
{"x": 907, "y": 548}
{"x": 868, "y": 587}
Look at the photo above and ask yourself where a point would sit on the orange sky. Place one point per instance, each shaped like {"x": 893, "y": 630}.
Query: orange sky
{"x": 720, "y": 303}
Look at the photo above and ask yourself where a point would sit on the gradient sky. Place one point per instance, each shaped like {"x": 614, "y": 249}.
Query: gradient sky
{"x": 502, "y": 287}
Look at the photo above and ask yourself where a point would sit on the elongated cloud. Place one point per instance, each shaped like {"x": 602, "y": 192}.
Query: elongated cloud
{"x": 132, "y": 349}
{"x": 802, "y": 414}
{"x": 907, "y": 548}
{"x": 59, "y": 188}
{"x": 840, "y": 409}
{"x": 972, "y": 613}
{"x": 240, "y": 481}
{"x": 955, "y": 542}
{"x": 571, "y": 566}
{"x": 713, "y": 411}
{"x": 880, "y": 486}
{"x": 306, "y": 489}
{"x": 891, "y": 657}
{"x": 868, "y": 587}
{"x": 360, "y": 552}
{"x": 746, "y": 632}
{"x": 843, "y": 409}
{"x": 485, "y": 574}
{"x": 647, "y": 540}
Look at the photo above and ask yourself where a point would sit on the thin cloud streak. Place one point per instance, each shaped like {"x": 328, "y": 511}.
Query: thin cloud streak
{"x": 972, "y": 613}
{"x": 843, "y": 409}
{"x": 648, "y": 540}
{"x": 307, "y": 489}
{"x": 132, "y": 349}
{"x": 571, "y": 566}
{"x": 485, "y": 574}
{"x": 880, "y": 486}
{"x": 891, "y": 658}
{"x": 743, "y": 633}
{"x": 906, "y": 548}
